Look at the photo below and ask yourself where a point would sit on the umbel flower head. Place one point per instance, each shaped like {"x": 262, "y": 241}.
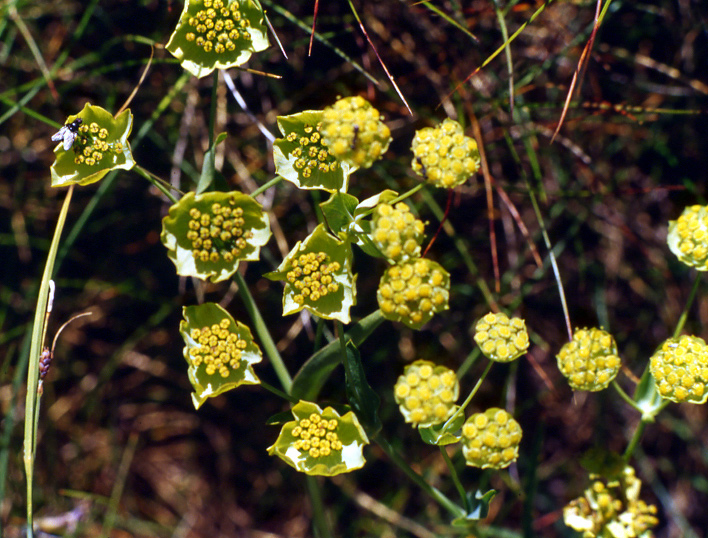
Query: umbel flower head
{"x": 396, "y": 232}
{"x": 443, "y": 155}
{"x": 680, "y": 369}
{"x": 590, "y": 360}
{"x": 100, "y": 144}
{"x": 318, "y": 277}
{"x": 219, "y": 351}
{"x": 412, "y": 292}
{"x": 354, "y": 133}
{"x": 491, "y": 439}
{"x": 303, "y": 158}
{"x": 612, "y": 509}
{"x": 207, "y": 235}
{"x": 501, "y": 339}
{"x": 426, "y": 393}
{"x": 217, "y": 34}
{"x": 321, "y": 442}
{"x": 688, "y": 237}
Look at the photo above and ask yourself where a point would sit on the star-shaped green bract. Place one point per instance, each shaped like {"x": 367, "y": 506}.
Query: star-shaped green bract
{"x": 343, "y": 435}
{"x": 207, "y": 235}
{"x": 327, "y": 261}
{"x": 220, "y": 352}
{"x": 218, "y": 34}
{"x": 101, "y": 145}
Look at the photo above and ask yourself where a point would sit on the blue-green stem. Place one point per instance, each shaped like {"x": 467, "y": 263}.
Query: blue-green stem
{"x": 262, "y": 331}
{"x": 278, "y": 393}
{"x": 319, "y": 518}
{"x": 689, "y": 302}
{"x": 265, "y": 187}
{"x": 467, "y": 401}
{"x": 38, "y": 332}
{"x": 159, "y": 183}
{"x": 456, "y": 479}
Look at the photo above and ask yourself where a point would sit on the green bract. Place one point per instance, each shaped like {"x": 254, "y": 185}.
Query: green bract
{"x": 354, "y": 132}
{"x": 207, "y": 235}
{"x": 501, "y": 339}
{"x": 318, "y": 277}
{"x": 220, "y": 352}
{"x": 680, "y": 369}
{"x": 426, "y": 393}
{"x": 321, "y": 442}
{"x": 101, "y": 145}
{"x": 612, "y": 509}
{"x": 590, "y": 361}
{"x": 688, "y": 237}
{"x": 302, "y": 158}
{"x": 491, "y": 439}
{"x": 412, "y": 292}
{"x": 443, "y": 155}
{"x": 217, "y": 34}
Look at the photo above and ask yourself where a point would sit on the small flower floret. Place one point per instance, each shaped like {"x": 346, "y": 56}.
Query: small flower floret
{"x": 491, "y": 439}
{"x": 311, "y": 274}
{"x": 500, "y": 338}
{"x": 590, "y": 361}
{"x": 426, "y": 393}
{"x": 680, "y": 369}
{"x": 218, "y": 349}
{"x": 688, "y": 237}
{"x": 396, "y": 232}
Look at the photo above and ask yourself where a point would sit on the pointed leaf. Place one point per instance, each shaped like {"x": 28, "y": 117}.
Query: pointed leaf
{"x": 365, "y": 402}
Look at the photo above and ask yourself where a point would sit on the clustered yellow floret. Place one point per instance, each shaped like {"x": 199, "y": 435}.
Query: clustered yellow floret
{"x": 311, "y": 153}
{"x": 590, "y": 361}
{"x": 426, "y": 393}
{"x": 443, "y": 155}
{"x": 680, "y": 369}
{"x": 396, "y": 232}
{"x": 311, "y": 275}
{"x": 217, "y": 348}
{"x": 317, "y": 436}
{"x": 688, "y": 237}
{"x": 354, "y": 132}
{"x": 612, "y": 510}
{"x": 491, "y": 439}
{"x": 412, "y": 292}
{"x": 218, "y": 233}
{"x": 218, "y": 26}
{"x": 500, "y": 338}
{"x": 90, "y": 145}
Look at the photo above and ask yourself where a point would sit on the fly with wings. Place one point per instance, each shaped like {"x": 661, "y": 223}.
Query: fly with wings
{"x": 68, "y": 133}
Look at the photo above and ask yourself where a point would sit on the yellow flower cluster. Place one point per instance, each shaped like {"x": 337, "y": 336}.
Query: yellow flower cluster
{"x": 219, "y": 349}
{"x": 590, "y": 361}
{"x": 680, "y": 369}
{"x": 354, "y": 132}
{"x": 317, "y": 436}
{"x": 90, "y": 145}
{"x": 612, "y": 510}
{"x": 491, "y": 439}
{"x": 426, "y": 393}
{"x": 501, "y": 339}
{"x": 218, "y": 26}
{"x": 396, "y": 232}
{"x": 688, "y": 237}
{"x": 412, "y": 292}
{"x": 311, "y": 153}
{"x": 218, "y": 234}
{"x": 443, "y": 155}
{"x": 311, "y": 275}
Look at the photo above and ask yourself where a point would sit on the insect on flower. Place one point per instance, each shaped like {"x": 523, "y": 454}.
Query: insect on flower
{"x": 68, "y": 133}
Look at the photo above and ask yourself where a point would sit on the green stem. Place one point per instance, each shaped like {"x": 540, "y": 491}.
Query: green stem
{"x": 319, "y": 518}
{"x": 157, "y": 182}
{"x": 625, "y": 396}
{"x": 689, "y": 302}
{"x": 262, "y": 331}
{"x": 461, "y": 409}
{"x": 435, "y": 493}
{"x": 263, "y": 188}
{"x": 456, "y": 479}
{"x": 38, "y": 330}
{"x": 635, "y": 440}
{"x": 278, "y": 393}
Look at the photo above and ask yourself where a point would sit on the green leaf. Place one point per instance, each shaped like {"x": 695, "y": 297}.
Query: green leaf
{"x": 220, "y": 352}
{"x": 207, "y": 177}
{"x": 218, "y": 34}
{"x": 362, "y": 397}
{"x": 332, "y": 293}
{"x": 360, "y": 228}
{"x": 479, "y": 508}
{"x": 647, "y": 397}
{"x": 443, "y": 433}
{"x": 311, "y": 377}
{"x": 338, "y": 212}
{"x": 101, "y": 145}
{"x": 339, "y": 446}
{"x": 209, "y": 234}
{"x": 302, "y": 158}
